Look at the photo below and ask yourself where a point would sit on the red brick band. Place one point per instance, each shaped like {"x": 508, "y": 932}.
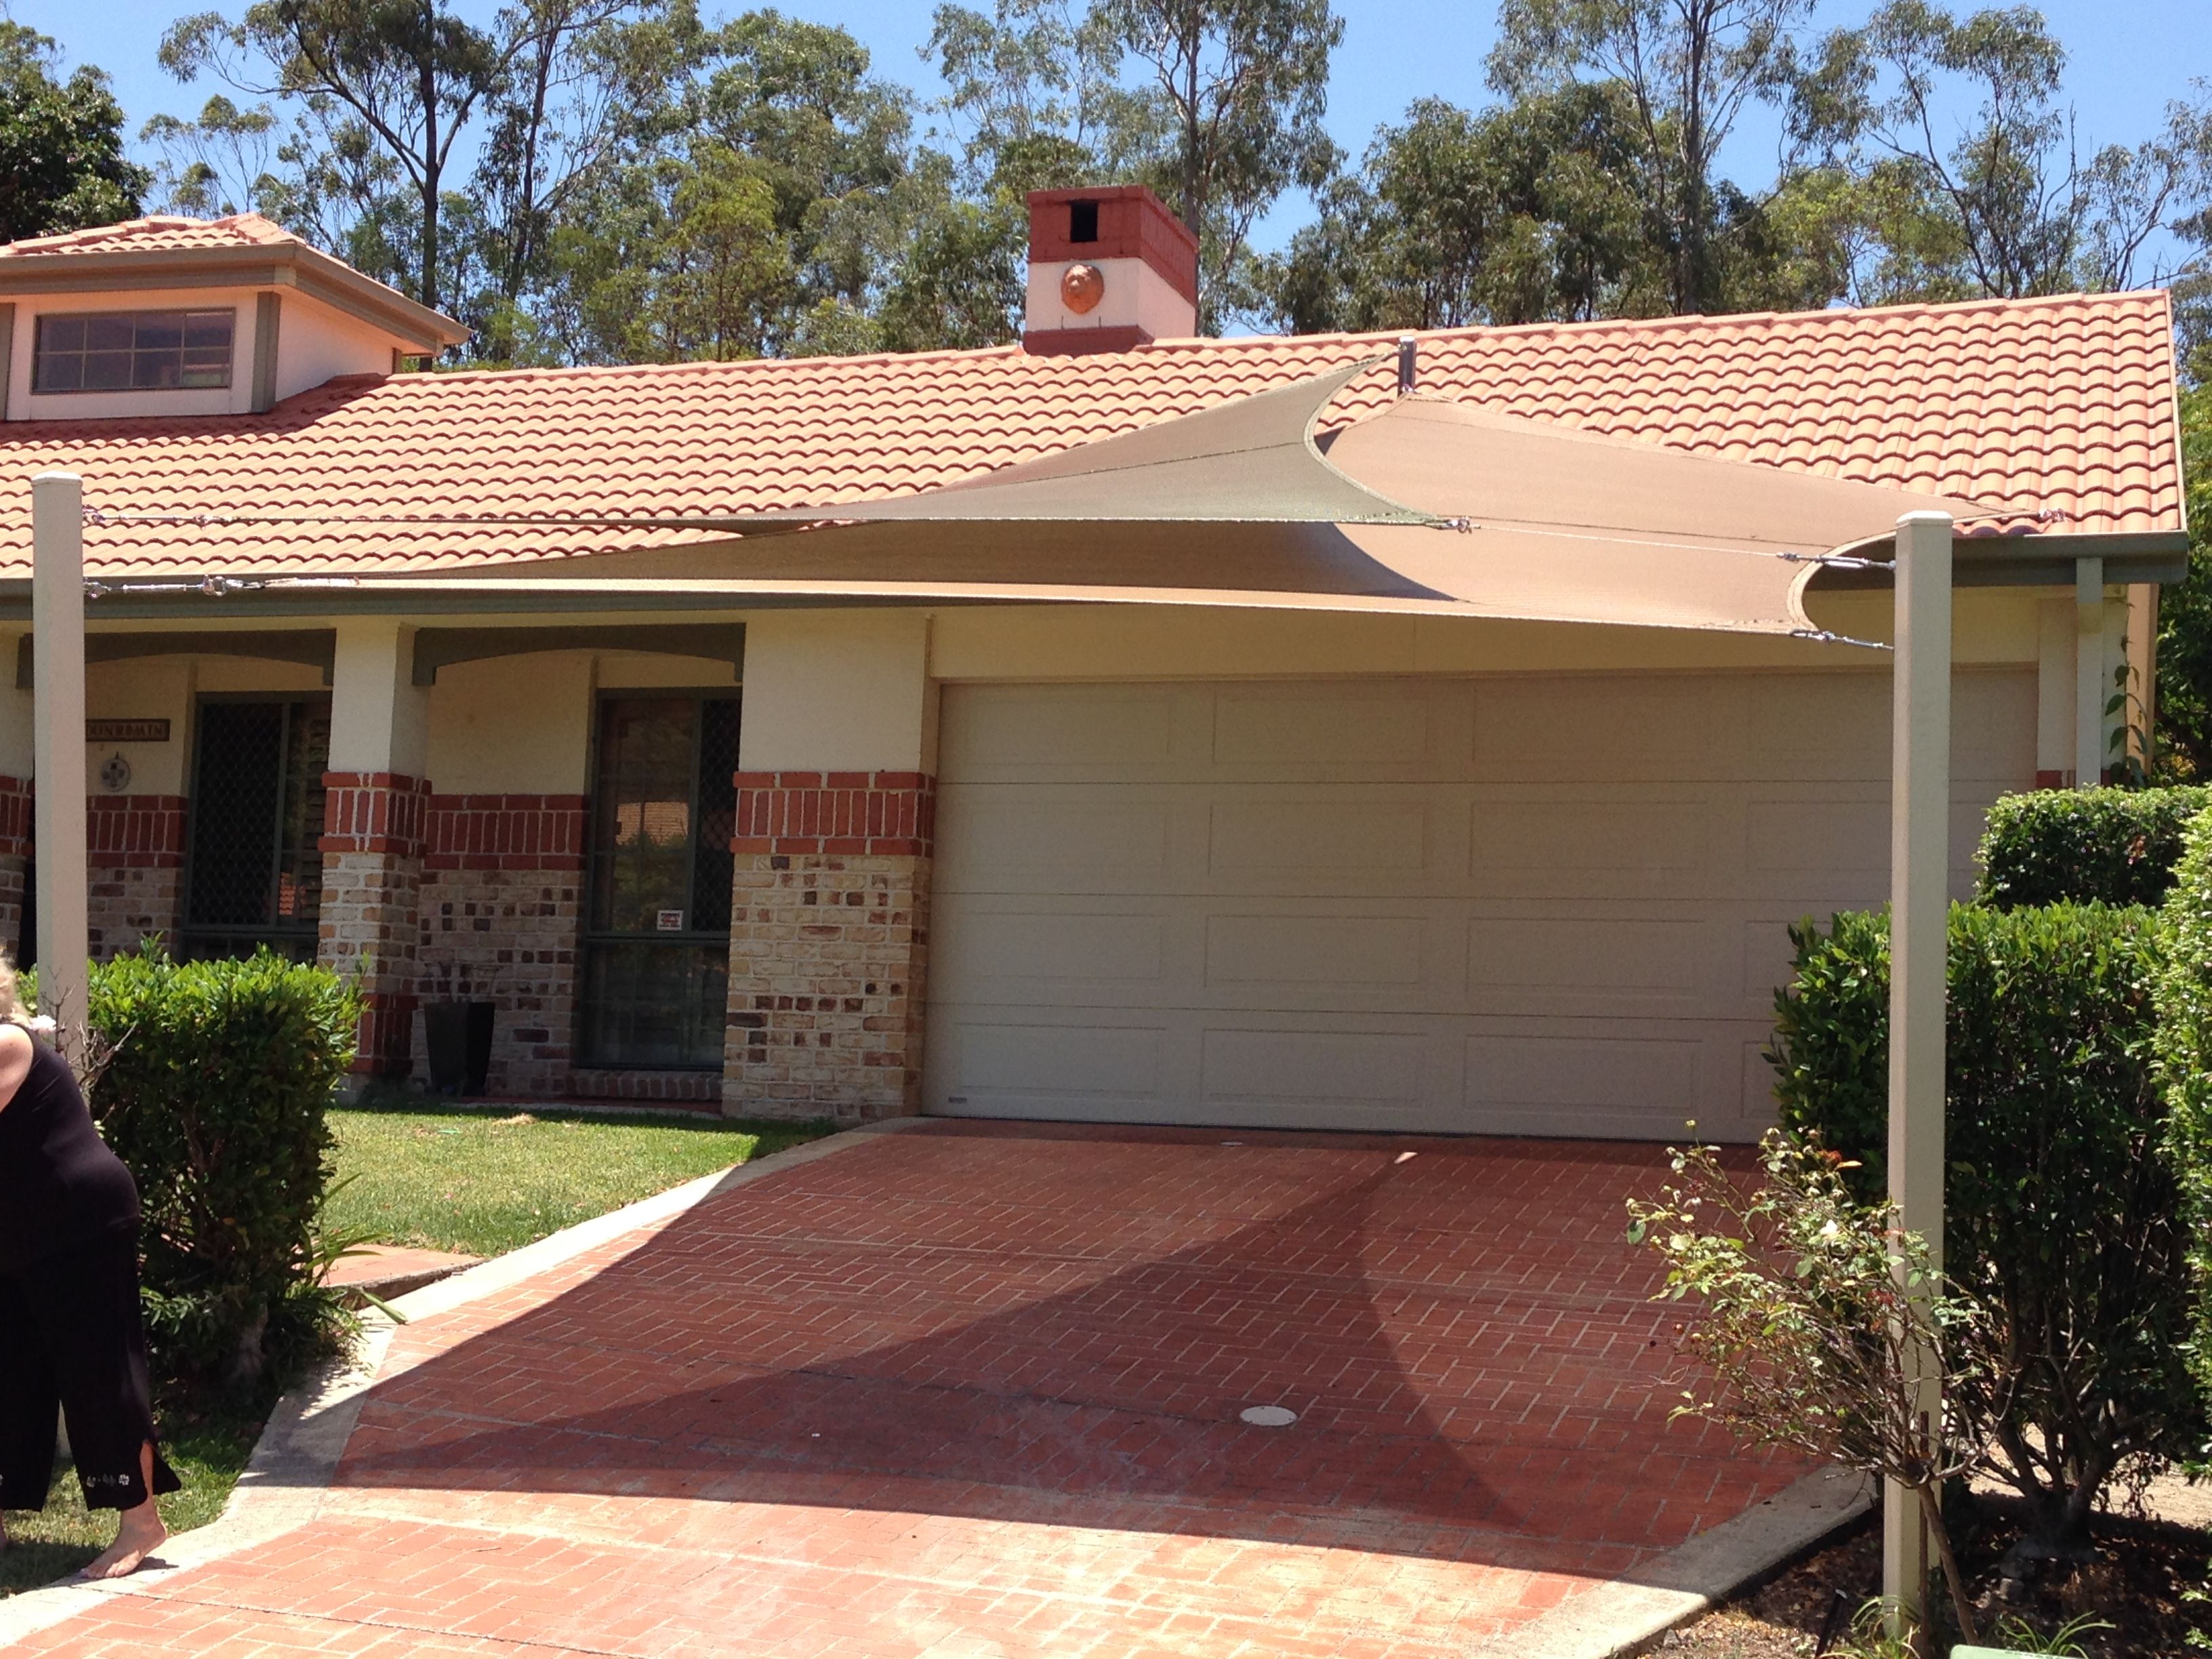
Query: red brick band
{"x": 16, "y": 818}
{"x": 134, "y": 832}
{"x": 1133, "y": 224}
{"x": 504, "y": 832}
{"x": 1083, "y": 342}
{"x": 851, "y": 813}
{"x": 373, "y": 812}
{"x": 387, "y": 1035}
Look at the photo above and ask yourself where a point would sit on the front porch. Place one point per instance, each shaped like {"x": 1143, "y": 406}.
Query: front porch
{"x": 540, "y": 815}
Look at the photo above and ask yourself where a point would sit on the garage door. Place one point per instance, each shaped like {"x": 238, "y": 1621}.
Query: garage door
{"x": 1546, "y": 906}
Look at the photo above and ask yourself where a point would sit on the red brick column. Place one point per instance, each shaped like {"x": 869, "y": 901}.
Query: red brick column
{"x": 829, "y": 944}
{"x": 135, "y": 856}
{"x": 372, "y": 847}
{"x": 15, "y": 854}
{"x": 501, "y": 907}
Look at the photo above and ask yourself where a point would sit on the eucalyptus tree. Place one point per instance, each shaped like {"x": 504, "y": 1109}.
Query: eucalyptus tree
{"x": 1979, "y": 180}
{"x": 1689, "y": 70}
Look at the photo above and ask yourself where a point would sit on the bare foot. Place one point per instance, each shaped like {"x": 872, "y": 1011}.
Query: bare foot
{"x": 139, "y": 1535}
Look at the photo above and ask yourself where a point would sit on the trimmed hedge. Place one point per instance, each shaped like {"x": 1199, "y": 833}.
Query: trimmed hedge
{"x": 2184, "y": 1059}
{"x": 215, "y": 1100}
{"x": 2083, "y": 846}
{"x": 2063, "y": 1214}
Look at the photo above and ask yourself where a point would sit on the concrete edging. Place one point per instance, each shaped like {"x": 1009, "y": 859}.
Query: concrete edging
{"x": 1623, "y": 1616}
{"x": 285, "y": 1481}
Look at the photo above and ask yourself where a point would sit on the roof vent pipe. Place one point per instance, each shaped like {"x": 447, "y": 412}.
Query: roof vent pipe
{"x": 1408, "y": 345}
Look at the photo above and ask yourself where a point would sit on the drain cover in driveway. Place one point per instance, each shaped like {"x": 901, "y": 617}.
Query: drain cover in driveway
{"x": 1269, "y": 1417}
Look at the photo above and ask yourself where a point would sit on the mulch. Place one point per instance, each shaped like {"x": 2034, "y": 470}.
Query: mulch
{"x": 2143, "y": 1570}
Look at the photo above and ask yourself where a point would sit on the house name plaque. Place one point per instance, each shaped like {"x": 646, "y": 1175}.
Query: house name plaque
{"x": 126, "y": 731}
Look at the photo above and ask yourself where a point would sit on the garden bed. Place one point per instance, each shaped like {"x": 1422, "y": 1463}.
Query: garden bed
{"x": 2136, "y": 1585}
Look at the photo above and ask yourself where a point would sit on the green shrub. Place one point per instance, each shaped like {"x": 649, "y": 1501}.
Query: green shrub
{"x": 2084, "y": 846}
{"x": 2185, "y": 1060}
{"x": 215, "y": 1100}
{"x": 2062, "y": 1213}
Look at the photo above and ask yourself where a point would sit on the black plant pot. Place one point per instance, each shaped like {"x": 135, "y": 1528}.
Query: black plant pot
{"x": 458, "y": 1036}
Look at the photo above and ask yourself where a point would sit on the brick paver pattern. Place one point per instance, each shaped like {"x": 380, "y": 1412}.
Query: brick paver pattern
{"x": 975, "y": 1389}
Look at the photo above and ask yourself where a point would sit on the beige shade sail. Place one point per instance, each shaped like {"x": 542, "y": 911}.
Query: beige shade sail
{"x": 1429, "y": 507}
{"x": 1251, "y": 460}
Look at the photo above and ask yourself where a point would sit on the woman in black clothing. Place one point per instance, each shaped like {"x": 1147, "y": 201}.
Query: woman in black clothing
{"x": 71, "y": 1331}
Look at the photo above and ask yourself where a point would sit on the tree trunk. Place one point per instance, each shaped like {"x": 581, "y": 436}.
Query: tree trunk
{"x": 1963, "y": 1610}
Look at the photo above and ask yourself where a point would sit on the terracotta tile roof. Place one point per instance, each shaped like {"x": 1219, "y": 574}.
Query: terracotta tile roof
{"x": 163, "y": 232}
{"x": 2063, "y": 405}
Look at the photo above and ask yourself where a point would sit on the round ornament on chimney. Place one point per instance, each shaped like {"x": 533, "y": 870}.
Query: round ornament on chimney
{"x": 1081, "y": 288}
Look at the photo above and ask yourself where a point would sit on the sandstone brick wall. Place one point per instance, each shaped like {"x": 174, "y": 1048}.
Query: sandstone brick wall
{"x": 829, "y": 944}
{"x": 501, "y": 907}
{"x": 135, "y": 854}
{"x": 372, "y": 847}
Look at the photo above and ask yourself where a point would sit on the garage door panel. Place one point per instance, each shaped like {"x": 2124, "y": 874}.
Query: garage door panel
{"x": 1833, "y": 727}
{"x": 1583, "y": 1083}
{"x": 1657, "y": 727}
{"x": 1592, "y": 964}
{"x": 1361, "y": 1072}
{"x": 1354, "y": 952}
{"x": 1323, "y": 730}
{"x": 1027, "y": 1067}
{"x": 1053, "y": 836}
{"x": 1266, "y": 838}
{"x": 1088, "y": 950}
{"x": 1034, "y": 734}
{"x": 1615, "y": 848}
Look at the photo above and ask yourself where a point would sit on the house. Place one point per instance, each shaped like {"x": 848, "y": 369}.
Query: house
{"x": 1060, "y": 849}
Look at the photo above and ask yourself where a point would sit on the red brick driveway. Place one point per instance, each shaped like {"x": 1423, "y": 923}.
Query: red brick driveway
{"x": 973, "y": 1389}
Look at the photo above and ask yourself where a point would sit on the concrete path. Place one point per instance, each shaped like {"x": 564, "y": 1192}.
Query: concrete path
{"x": 978, "y": 1389}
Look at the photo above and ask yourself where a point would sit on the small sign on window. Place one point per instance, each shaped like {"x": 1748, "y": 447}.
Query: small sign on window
{"x": 671, "y": 921}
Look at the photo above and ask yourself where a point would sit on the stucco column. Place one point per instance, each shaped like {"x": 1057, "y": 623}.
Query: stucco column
{"x": 831, "y": 854}
{"x": 373, "y": 828}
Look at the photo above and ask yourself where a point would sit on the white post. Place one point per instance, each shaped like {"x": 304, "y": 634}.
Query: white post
{"x": 2090, "y": 687}
{"x": 1919, "y": 958}
{"x": 57, "y": 767}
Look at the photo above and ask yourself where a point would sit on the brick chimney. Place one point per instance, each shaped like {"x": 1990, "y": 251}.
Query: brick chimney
{"x": 1110, "y": 268}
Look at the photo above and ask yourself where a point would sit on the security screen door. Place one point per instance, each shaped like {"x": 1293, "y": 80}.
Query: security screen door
{"x": 253, "y": 874}
{"x": 657, "y": 931}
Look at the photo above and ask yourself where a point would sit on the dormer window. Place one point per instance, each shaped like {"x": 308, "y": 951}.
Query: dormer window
{"x": 133, "y": 350}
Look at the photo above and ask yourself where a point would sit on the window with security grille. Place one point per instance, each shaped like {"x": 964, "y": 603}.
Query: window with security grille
{"x": 657, "y": 923}
{"x": 253, "y": 874}
{"x": 132, "y": 350}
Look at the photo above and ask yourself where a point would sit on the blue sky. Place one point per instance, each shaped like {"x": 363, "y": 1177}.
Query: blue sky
{"x": 2129, "y": 58}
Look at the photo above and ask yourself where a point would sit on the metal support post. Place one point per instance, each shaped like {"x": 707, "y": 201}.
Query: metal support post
{"x": 2090, "y": 686}
{"x": 57, "y": 768}
{"x": 1919, "y": 920}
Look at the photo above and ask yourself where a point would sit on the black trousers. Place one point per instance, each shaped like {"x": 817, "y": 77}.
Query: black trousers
{"x": 72, "y": 1336}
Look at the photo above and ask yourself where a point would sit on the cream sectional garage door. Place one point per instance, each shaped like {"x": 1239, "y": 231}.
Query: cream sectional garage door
{"x": 1544, "y": 906}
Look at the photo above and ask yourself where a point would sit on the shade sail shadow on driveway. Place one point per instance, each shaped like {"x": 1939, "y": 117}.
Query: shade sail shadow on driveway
{"x": 1022, "y": 1323}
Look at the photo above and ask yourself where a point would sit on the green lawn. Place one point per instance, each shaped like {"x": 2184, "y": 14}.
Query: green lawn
{"x": 207, "y": 1455}
{"x": 484, "y": 1182}
{"x": 444, "y": 1178}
